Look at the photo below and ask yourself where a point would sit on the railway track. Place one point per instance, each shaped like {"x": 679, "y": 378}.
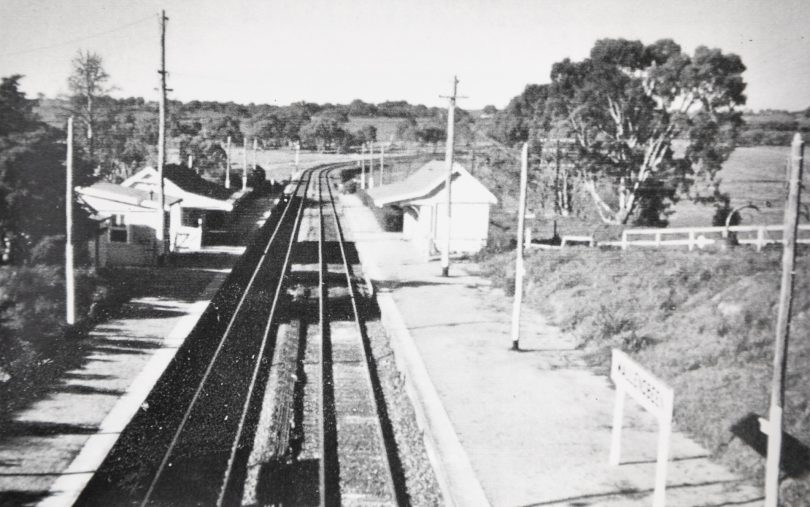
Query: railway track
{"x": 273, "y": 399}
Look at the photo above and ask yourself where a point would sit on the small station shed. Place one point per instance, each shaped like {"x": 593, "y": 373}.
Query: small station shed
{"x": 130, "y": 221}
{"x": 422, "y": 197}
{"x": 204, "y": 209}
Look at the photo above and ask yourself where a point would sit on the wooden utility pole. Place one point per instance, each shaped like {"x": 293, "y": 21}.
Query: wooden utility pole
{"x": 519, "y": 268}
{"x": 228, "y": 163}
{"x": 363, "y": 166}
{"x": 244, "y": 164}
{"x": 370, "y": 164}
{"x": 448, "y": 158}
{"x": 382, "y": 162}
{"x": 255, "y": 152}
{"x": 774, "y": 430}
{"x": 161, "y": 232}
{"x": 70, "y": 281}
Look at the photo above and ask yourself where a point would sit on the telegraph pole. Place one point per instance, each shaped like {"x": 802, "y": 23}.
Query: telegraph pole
{"x": 244, "y": 163}
{"x": 519, "y": 269}
{"x": 448, "y": 158}
{"x": 370, "y": 164}
{"x": 363, "y": 166}
{"x": 161, "y": 232}
{"x": 70, "y": 281}
{"x": 783, "y": 323}
{"x": 228, "y": 163}
{"x": 255, "y": 150}
{"x": 382, "y": 162}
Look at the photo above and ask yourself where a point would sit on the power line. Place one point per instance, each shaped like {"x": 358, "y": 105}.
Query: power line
{"x": 78, "y": 39}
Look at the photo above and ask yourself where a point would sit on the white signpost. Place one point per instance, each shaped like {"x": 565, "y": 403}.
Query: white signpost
{"x": 655, "y": 396}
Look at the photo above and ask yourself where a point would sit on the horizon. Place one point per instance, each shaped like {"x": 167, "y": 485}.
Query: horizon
{"x": 326, "y": 52}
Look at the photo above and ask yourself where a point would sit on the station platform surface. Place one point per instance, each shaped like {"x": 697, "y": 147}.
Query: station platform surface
{"x": 534, "y": 425}
{"x": 51, "y": 448}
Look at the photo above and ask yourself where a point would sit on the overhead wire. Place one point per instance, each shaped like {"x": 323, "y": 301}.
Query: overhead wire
{"x": 78, "y": 39}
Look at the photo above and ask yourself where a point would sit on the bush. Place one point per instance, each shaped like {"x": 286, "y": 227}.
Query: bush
{"x": 32, "y": 332}
{"x": 49, "y": 250}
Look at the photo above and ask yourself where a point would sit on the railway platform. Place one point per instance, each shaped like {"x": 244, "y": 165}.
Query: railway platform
{"x": 50, "y": 449}
{"x": 525, "y": 428}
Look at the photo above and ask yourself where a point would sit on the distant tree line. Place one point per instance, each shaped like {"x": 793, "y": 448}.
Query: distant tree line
{"x": 114, "y": 137}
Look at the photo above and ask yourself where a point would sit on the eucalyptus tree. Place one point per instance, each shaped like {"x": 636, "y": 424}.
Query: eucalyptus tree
{"x": 87, "y": 84}
{"x": 627, "y": 104}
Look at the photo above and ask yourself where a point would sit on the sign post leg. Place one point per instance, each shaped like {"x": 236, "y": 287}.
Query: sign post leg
{"x": 616, "y": 434}
{"x": 664, "y": 431}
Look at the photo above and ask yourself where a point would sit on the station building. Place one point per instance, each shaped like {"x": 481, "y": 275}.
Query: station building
{"x": 205, "y": 206}
{"x": 128, "y": 220}
{"x": 422, "y": 199}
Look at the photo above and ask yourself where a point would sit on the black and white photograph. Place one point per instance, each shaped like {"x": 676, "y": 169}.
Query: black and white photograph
{"x": 466, "y": 253}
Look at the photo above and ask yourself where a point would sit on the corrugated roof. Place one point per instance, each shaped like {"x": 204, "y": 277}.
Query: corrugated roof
{"x": 421, "y": 183}
{"x": 190, "y": 181}
{"x": 126, "y": 195}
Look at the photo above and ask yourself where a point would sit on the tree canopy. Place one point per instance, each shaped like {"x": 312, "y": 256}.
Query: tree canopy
{"x": 32, "y": 174}
{"x": 624, "y": 107}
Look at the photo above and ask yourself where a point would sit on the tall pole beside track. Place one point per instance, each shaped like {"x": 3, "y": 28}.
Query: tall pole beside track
{"x": 70, "y": 281}
{"x": 255, "y": 150}
{"x": 244, "y": 163}
{"x": 448, "y": 158}
{"x": 163, "y": 244}
{"x": 363, "y": 166}
{"x": 519, "y": 268}
{"x": 370, "y": 164}
{"x": 382, "y": 162}
{"x": 775, "y": 425}
{"x": 228, "y": 163}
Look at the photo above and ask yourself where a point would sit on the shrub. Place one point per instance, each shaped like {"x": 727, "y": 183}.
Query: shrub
{"x": 32, "y": 333}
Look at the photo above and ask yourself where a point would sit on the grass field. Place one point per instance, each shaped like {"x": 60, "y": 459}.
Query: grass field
{"x": 751, "y": 175}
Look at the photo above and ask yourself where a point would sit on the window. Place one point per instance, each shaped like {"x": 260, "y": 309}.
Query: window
{"x": 118, "y": 229}
{"x": 191, "y": 217}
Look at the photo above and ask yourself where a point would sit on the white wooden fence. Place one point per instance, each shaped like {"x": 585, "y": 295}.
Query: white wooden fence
{"x": 701, "y": 237}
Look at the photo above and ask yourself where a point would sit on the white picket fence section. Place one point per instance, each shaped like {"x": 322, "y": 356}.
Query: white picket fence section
{"x": 701, "y": 237}
{"x": 690, "y": 237}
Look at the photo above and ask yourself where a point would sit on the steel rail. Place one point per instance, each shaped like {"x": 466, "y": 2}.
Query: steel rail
{"x": 220, "y": 345}
{"x": 359, "y": 326}
{"x": 260, "y": 354}
{"x": 323, "y": 482}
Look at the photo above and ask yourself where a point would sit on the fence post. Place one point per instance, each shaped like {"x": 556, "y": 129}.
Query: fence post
{"x": 691, "y": 240}
{"x": 658, "y": 238}
{"x": 760, "y": 238}
{"x": 624, "y": 240}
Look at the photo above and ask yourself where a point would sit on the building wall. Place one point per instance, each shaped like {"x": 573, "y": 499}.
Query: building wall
{"x": 469, "y": 227}
{"x": 141, "y": 247}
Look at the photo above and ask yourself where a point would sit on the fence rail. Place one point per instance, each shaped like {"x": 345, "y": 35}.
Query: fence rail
{"x": 690, "y": 237}
{"x": 701, "y": 237}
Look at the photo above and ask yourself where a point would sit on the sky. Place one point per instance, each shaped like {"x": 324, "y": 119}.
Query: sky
{"x": 283, "y": 51}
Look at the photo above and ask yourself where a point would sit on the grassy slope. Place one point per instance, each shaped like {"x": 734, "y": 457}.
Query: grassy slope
{"x": 702, "y": 321}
